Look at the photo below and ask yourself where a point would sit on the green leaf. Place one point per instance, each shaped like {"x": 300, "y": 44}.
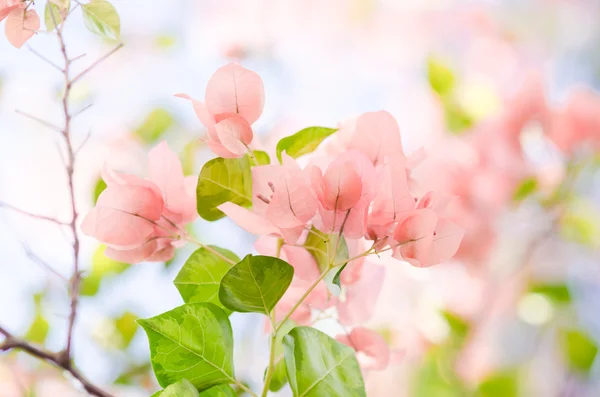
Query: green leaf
{"x": 499, "y": 385}
{"x": 318, "y": 365}
{"x": 101, "y": 18}
{"x": 38, "y": 330}
{"x": 440, "y": 76}
{"x": 156, "y": 123}
{"x": 581, "y": 223}
{"x": 458, "y": 120}
{"x": 262, "y": 158}
{"x": 222, "y": 180}
{"x": 219, "y": 391}
{"x": 183, "y": 388}
{"x": 579, "y": 350}
{"x": 559, "y": 293}
{"x": 525, "y": 189}
{"x": 459, "y": 328}
{"x": 332, "y": 279}
{"x": 193, "y": 341}
{"x": 318, "y": 244}
{"x": 53, "y": 13}
{"x": 303, "y": 142}
{"x": 256, "y": 284}
{"x": 102, "y": 267}
{"x": 98, "y": 189}
{"x": 127, "y": 328}
{"x": 200, "y": 277}
{"x": 279, "y": 378}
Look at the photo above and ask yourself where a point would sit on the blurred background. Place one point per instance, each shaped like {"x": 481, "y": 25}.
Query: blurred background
{"x": 483, "y": 86}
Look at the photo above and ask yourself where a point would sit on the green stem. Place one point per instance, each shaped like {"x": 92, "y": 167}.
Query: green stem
{"x": 271, "y": 367}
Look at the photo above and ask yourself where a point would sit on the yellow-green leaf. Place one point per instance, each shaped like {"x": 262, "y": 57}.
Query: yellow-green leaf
{"x": 101, "y": 18}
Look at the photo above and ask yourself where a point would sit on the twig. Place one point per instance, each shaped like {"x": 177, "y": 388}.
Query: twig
{"x": 83, "y": 109}
{"x": 93, "y": 65}
{"x": 49, "y": 62}
{"x": 41, "y": 121}
{"x": 32, "y": 215}
{"x": 35, "y": 258}
{"x": 57, "y": 359}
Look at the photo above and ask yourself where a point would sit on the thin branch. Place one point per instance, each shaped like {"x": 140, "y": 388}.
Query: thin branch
{"x": 49, "y": 62}
{"x": 39, "y": 120}
{"x": 87, "y": 137}
{"x": 93, "y": 65}
{"x": 78, "y": 57}
{"x": 36, "y": 259}
{"x": 33, "y": 215}
{"x": 57, "y": 359}
{"x": 83, "y": 109}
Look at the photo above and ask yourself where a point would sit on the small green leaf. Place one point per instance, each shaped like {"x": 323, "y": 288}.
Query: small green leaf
{"x": 334, "y": 284}
{"x": 319, "y": 244}
{"x": 102, "y": 267}
{"x": 183, "y": 388}
{"x": 200, "y": 277}
{"x": 193, "y": 341}
{"x": 279, "y": 378}
{"x": 98, "y": 189}
{"x": 222, "y": 180}
{"x": 127, "y": 328}
{"x": 499, "y": 385}
{"x": 53, "y": 13}
{"x": 318, "y": 365}
{"x": 441, "y": 78}
{"x": 154, "y": 125}
{"x": 303, "y": 142}
{"x": 256, "y": 284}
{"x": 262, "y": 158}
{"x": 525, "y": 189}
{"x": 458, "y": 120}
{"x": 101, "y": 18}
{"x": 38, "y": 330}
{"x": 459, "y": 328}
{"x": 579, "y": 350}
{"x": 559, "y": 293}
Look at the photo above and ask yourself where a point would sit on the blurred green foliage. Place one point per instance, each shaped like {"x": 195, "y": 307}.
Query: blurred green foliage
{"x": 526, "y": 188}
{"x": 557, "y": 293}
{"x": 579, "y": 350}
{"x": 102, "y": 267}
{"x": 500, "y": 384}
{"x": 156, "y": 123}
{"x": 98, "y": 189}
{"x": 38, "y": 330}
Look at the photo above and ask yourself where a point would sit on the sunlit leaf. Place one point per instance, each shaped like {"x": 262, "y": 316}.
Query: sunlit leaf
{"x": 255, "y": 284}
{"x": 525, "y": 189}
{"x": 194, "y": 342}
{"x": 458, "y": 120}
{"x": 101, "y": 18}
{"x": 558, "y": 293}
{"x": 222, "y": 180}
{"x": 127, "y": 327}
{"x": 440, "y": 76}
{"x": 262, "y": 158}
{"x": 53, "y": 13}
{"x": 200, "y": 277}
{"x": 183, "y": 388}
{"x": 303, "y": 142}
{"x": 334, "y": 370}
{"x": 102, "y": 267}
{"x": 98, "y": 189}
{"x": 579, "y": 350}
{"x": 319, "y": 244}
{"x": 499, "y": 385}
{"x": 154, "y": 126}
{"x": 459, "y": 327}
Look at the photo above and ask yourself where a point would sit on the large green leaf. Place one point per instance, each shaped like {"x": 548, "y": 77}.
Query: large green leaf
{"x": 222, "y": 180}
{"x": 319, "y": 366}
{"x": 303, "y": 142}
{"x": 54, "y": 11}
{"x": 319, "y": 244}
{"x": 200, "y": 276}
{"x": 256, "y": 284}
{"x": 101, "y": 18}
{"x": 194, "y": 342}
{"x": 219, "y": 391}
{"x": 579, "y": 350}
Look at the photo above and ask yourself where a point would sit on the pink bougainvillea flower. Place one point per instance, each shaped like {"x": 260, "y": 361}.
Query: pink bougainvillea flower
{"x": 426, "y": 239}
{"x": 282, "y": 202}
{"x": 137, "y": 218}
{"x": 392, "y": 201}
{"x": 377, "y": 135}
{"x": 234, "y": 100}
{"x": 372, "y": 351}
{"x": 344, "y": 193}
{"x": 21, "y": 25}
{"x": 358, "y": 302}
{"x": 6, "y": 6}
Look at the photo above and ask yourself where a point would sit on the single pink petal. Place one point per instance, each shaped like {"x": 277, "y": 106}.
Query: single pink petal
{"x": 305, "y": 266}
{"x": 377, "y": 135}
{"x": 293, "y": 203}
{"x": 116, "y": 228}
{"x": 248, "y": 220}
{"x": 139, "y": 201}
{"x": 6, "y": 6}
{"x": 361, "y": 297}
{"x": 220, "y": 150}
{"x": 292, "y": 235}
{"x": 164, "y": 169}
{"x": 446, "y": 241}
{"x": 201, "y": 111}
{"x": 234, "y": 89}
{"x": 135, "y": 255}
{"x": 111, "y": 177}
{"x": 373, "y": 353}
{"x": 415, "y": 234}
{"x": 21, "y": 25}
{"x": 342, "y": 188}
{"x": 235, "y": 134}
